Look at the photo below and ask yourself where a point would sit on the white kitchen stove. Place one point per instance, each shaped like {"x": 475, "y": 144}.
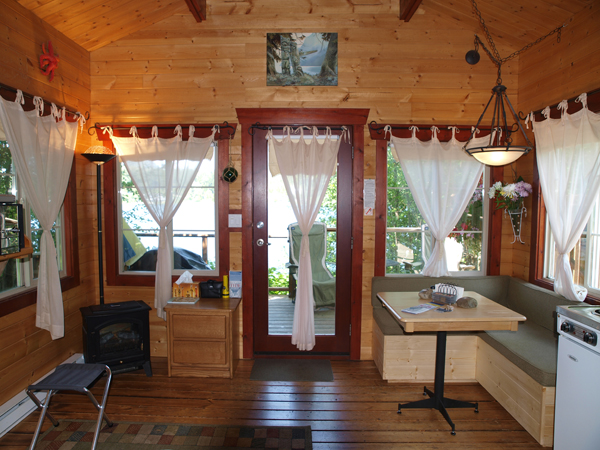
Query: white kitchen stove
{"x": 577, "y": 378}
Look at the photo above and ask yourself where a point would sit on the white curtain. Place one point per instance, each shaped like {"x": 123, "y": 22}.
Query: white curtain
{"x": 42, "y": 149}
{"x": 306, "y": 165}
{"x": 163, "y": 171}
{"x": 568, "y": 158}
{"x": 442, "y": 178}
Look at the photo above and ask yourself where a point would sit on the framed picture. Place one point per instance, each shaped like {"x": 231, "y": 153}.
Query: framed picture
{"x": 302, "y": 59}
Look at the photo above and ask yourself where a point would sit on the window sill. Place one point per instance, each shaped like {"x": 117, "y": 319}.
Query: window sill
{"x": 547, "y": 284}
{"x": 28, "y": 297}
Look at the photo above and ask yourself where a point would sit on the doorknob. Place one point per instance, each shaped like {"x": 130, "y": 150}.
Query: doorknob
{"x": 260, "y": 225}
{"x": 260, "y": 242}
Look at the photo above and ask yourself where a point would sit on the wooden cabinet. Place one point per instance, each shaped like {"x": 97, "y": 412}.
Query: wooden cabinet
{"x": 203, "y": 339}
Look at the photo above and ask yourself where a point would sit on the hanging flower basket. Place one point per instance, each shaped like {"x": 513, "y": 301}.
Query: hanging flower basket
{"x": 510, "y": 198}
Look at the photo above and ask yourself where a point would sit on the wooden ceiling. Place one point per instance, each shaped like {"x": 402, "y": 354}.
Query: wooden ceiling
{"x": 96, "y": 23}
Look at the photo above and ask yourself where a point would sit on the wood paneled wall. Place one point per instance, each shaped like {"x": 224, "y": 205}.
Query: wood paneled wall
{"x": 182, "y": 71}
{"x": 549, "y": 73}
{"x": 27, "y": 352}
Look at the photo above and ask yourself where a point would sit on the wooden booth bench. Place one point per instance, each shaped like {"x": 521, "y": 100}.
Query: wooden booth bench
{"x": 517, "y": 368}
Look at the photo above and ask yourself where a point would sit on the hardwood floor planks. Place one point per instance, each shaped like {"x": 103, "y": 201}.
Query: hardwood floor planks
{"x": 356, "y": 411}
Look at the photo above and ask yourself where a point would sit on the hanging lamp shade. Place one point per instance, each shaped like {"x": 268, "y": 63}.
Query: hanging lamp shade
{"x": 500, "y": 149}
{"x": 98, "y": 154}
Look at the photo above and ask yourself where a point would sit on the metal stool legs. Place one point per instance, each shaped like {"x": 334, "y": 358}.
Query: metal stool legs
{"x": 76, "y": 377}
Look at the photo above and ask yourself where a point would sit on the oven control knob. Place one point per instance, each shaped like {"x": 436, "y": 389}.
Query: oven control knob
{"x": 567, "y": 327}
{"x": 590, "y": 338}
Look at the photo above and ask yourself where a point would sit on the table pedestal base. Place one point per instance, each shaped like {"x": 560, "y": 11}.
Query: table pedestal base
{"x": 436, "y": 398}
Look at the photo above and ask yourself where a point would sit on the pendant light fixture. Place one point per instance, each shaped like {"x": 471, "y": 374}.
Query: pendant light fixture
{"x": 499, "y": 149}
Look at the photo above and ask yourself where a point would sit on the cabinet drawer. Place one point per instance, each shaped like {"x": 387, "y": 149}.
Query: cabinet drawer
{"x": 204, "y": 353}
{"x": 199, "y": 326}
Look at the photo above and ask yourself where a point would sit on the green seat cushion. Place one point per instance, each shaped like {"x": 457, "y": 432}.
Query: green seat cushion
{"x": 532, "y": 348}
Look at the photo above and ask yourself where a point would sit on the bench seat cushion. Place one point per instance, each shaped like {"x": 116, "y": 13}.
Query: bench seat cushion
{"x": 532, "y": 348}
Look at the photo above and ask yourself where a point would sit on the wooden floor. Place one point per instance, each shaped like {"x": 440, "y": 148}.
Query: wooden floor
{"x": 356, "y": 411}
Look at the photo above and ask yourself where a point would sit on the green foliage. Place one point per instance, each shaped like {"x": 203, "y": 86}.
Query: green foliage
{"x": 278, "y": 278}
{"x": 402, "y": 212}
{"x": 328, "y": 215}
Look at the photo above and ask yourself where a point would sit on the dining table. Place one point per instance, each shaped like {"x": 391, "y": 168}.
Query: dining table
{"x": 487, "y": 315}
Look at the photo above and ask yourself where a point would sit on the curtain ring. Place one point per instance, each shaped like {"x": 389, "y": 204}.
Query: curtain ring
{"x": 191, "y": 131}
{"x": 434, "y": 132}
{"x": 582, "y": 99}
{"x": 39, "y": 105}
{"x": 414, "y": 129}
{"x": 546, "y": 112}
{"x": 176, "y": 131}
{"x": 133, "y": 131}
{"x": 154, "y": 131}
{"x": 20, "y": 98}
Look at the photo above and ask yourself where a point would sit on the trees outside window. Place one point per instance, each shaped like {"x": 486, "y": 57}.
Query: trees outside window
{"x": 409, "y": 241}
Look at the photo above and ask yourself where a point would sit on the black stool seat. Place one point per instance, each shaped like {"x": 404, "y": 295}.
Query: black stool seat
{"x": 71, "y": 377}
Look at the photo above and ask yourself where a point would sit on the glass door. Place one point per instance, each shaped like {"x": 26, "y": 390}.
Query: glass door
{"x": 276, "y": 250}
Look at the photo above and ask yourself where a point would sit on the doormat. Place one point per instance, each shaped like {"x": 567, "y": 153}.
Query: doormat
{"x": 78, "y": 435}
{"x": 291, "y": 370}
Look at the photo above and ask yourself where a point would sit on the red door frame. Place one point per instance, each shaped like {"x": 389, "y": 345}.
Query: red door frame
{"x": 355, "y": 118}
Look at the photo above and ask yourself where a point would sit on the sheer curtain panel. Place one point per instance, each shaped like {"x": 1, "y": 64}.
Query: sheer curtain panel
{"x": 442, "y": 178}
{"x": 306, "y": 165}
{"x": 163, "y": 171}
{"x": 568, "y": 159}
{"x": 42, "y": 149}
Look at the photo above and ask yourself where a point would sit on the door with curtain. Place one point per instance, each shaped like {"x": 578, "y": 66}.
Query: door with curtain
{"x": 276, "y": 243}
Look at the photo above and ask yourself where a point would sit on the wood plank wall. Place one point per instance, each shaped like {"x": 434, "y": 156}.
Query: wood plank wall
{"x": 182, "y": 71}
{"x": 549, "y": 73}
{"x": 27, "y": 352}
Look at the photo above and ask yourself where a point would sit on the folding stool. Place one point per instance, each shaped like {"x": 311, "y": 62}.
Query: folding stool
{"x": 71, "y": 377}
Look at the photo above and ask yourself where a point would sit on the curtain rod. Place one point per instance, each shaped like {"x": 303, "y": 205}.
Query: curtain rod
{"x": 258, "y": 126}
{"x": 125, "y": 126}
{"x": 379, "y": 129}
{"x": 46, "y": 102}
{"x": 569, "y": 100}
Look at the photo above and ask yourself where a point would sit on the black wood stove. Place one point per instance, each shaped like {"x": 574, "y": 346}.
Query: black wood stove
{"x": 118, "y": 335}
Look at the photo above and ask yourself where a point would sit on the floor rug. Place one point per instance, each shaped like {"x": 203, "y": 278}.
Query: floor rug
{"x": 78, "y": 435}
{"x": 291, "y": 370}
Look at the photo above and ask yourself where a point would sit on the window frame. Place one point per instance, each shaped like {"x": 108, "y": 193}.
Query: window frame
{"x": 494, "y": 218}
{"x": 111, "y": 206}
{"x": 538, "y": 221}
{"x": 27, "y": 297}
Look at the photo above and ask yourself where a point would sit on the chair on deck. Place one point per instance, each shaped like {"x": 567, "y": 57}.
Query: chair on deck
{"x": 323, "y": 280}
{"x": 71, "y": 377}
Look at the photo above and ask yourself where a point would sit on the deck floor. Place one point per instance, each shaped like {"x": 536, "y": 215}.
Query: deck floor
{"x": 281, "y": 318}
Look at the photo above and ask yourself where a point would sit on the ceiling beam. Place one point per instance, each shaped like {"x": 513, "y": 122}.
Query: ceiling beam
{"x": 408, "y": 8}
{"x": 198, "y": 9}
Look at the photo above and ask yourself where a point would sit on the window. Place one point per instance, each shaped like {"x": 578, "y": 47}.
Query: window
{"x": 193, "y": 233}
{"x": 409, "y": 241}
{"x": 20, "y": 274}
{"x": 584, "y": 258}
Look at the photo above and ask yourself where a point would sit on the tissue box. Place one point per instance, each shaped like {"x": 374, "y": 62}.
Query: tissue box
{"x": 186, "y": 290}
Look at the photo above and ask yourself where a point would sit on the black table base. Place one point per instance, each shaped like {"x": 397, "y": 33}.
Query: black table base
{"x": 436, "y": 398}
